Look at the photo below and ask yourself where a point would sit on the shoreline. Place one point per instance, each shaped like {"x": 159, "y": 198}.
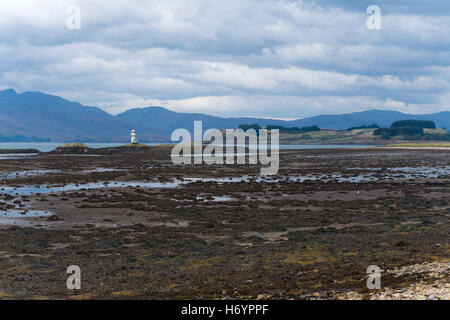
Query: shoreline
{"x": 418, "y": 148}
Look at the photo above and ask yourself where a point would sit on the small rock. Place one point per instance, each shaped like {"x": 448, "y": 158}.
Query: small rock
{"x": 54, "y": 218}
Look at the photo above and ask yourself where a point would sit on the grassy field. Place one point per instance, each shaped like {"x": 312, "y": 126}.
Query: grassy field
{"x": 439, "y": 145}
{"x": 358, "y": 136}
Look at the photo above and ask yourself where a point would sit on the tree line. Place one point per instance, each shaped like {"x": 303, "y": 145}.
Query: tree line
{"x": 412, "y": 130}
{"x": 282, "y": 129}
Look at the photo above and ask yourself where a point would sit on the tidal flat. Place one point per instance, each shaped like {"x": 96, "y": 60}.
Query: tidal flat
{"x": 140, "y": 227}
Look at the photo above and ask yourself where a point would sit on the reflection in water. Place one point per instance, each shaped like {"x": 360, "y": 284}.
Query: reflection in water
{"x": 405, "y": 173}
{"x": 24, "y": 214}
{"x": 14, "y": 156}
{"x": 27, "y": 173}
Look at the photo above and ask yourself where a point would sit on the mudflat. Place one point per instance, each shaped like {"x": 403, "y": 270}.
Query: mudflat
{"x": 140, "y": 227}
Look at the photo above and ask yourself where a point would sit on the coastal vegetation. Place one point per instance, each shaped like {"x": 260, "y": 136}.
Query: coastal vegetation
{"x": 282, "y": 129}
{"x": 413, "y": 145}
{"x": 74, "y": 145}
{"x": 413, "y": 130}
{"x": 372, "y": 126}
{"x": 404, "y": 131}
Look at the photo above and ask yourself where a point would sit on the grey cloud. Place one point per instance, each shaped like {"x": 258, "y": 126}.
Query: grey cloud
{"x": 232, "y": 57}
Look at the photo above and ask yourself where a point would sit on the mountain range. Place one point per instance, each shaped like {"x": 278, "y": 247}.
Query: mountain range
{"x": 37, "y": 116}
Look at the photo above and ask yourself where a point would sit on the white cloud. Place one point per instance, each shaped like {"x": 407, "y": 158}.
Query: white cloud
{"x": 292, "y": 107}
{"x": 280, "y": 58}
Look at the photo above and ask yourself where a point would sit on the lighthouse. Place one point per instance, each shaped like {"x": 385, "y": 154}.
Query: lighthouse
{"x": 133, "y": 137}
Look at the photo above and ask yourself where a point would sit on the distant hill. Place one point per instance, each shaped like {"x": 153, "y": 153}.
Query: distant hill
{"x": 46, "y": 116}
{"x": 164, "y": 121}
{"x": 383, "y": 118}
{"x": 43, "y": 116}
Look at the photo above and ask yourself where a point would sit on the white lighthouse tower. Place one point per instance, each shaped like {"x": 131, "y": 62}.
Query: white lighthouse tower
{"x": 133, "y": 137}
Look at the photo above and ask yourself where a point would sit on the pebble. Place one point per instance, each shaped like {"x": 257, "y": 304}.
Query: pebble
{"x": 434, "y": 284}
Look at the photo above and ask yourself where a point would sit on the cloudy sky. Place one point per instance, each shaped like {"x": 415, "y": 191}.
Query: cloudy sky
{"x": 267, "y": 58}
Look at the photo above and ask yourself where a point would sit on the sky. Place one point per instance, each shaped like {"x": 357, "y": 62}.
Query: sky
{"x": 266, "y": 58}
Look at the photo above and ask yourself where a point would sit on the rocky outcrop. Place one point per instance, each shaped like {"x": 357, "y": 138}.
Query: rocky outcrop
{"x": 79, "y": 148}
{"x": 73, "y": 148}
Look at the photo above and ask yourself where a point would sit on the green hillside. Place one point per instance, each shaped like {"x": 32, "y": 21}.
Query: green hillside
{"x": 358, "y": 136}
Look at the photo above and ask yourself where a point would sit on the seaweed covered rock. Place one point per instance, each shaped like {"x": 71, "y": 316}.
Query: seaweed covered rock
{"x": 72, "y": 148}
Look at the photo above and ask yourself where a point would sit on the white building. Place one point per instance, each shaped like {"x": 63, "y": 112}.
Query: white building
{"x": 133, "y": 137}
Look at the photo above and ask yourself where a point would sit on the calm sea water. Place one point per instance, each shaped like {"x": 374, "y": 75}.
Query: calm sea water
{"x": 49, "y": 146}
